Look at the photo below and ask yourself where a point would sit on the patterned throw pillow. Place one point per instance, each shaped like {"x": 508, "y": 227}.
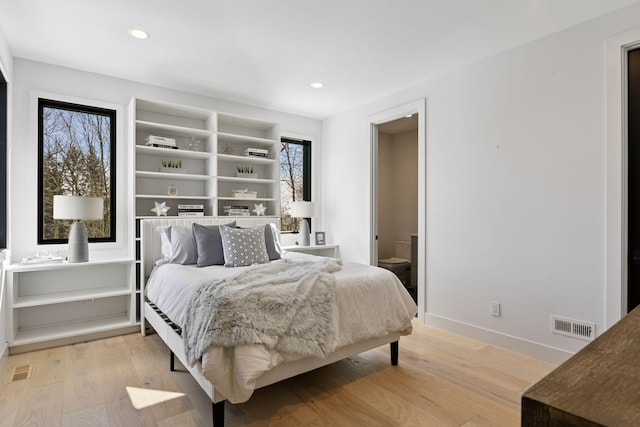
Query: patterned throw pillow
{"x": 243, "y": 246}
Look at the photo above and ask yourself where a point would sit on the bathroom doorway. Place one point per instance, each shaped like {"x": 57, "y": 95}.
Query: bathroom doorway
{"x": 398, "y": 198}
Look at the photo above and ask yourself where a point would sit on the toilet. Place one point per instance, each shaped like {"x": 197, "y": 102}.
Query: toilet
{"x": 400, "y": 263}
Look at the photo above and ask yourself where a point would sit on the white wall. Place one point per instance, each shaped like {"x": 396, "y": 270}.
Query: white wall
{"x": 515, "y": 187}
{"x": 6, "y": 66}
{"x": 35, "y": 76}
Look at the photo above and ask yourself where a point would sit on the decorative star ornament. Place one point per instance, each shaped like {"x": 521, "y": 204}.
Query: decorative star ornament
{"x": 161, "y": 209}
{"x": 259, "y": 209}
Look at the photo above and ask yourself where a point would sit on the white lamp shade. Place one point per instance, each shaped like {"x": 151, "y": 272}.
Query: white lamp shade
{"x": 77, "y": 207}
{"x": 303, "y": 210}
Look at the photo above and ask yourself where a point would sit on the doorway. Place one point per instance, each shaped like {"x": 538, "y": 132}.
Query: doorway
{"x": 633, "y": 179}
{"x": 398, "y": 199}
{"x": 398, "y": 207}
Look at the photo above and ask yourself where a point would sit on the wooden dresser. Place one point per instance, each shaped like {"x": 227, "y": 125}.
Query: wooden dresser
{"x": 598, "y": 386}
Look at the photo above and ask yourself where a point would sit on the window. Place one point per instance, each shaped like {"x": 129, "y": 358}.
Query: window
{"x": 76, "y": 156}
{"x": 3, "y": 161}
{"x": 295, "y": 179}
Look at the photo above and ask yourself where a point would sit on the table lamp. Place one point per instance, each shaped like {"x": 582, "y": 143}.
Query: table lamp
{"x": 303, "y": 210}
{"x": 78, "y": 208}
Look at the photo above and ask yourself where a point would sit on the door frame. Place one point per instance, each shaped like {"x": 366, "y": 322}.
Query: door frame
{"x": 414, "y": 107}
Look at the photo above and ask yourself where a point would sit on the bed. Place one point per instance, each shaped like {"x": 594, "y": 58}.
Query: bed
{"x": 371, "y": 308}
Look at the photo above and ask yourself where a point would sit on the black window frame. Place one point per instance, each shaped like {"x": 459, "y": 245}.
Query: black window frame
{"x": 4, "y": 112}
{"x": 90, "y": 109}
{"x": 306, "y": 167}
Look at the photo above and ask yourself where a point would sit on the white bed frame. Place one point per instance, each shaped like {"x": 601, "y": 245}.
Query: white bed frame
{"x": 150, "y": 242}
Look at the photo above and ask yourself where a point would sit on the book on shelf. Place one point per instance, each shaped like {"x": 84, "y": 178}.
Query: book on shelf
{"x": 190, "y": 213}
{"x": 236, "y": 210}
{"x": 237, "y": 214}
{"x": 190, "y": 210}
{"x": 190, "y": 206}
{"x": 162, "y": 146}
{"x": 256, "y": 152}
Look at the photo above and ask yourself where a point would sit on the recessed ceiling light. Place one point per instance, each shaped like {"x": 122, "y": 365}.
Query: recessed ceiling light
{"x": 316, "y": 85}
{"x": 139, "y": 34}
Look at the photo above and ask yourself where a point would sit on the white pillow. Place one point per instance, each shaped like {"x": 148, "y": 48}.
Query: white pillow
{"x": 178, "y": 246}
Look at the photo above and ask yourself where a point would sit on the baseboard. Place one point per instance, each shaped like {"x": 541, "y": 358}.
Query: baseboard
{"x": 533, "y": 349}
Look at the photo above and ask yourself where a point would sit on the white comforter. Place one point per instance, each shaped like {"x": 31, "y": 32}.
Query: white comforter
{"x": 371, "y": 303}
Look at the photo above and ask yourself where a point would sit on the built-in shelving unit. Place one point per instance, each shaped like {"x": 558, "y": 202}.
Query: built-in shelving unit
{"x": 209, "y": 175}
{"x": 49, "y": 302}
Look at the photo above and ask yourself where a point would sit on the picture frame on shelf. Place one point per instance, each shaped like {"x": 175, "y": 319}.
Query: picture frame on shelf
{"x": 320, "y": 238}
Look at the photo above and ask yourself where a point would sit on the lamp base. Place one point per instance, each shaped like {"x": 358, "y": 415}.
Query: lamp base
{"x": 78, "y": 250}
{"x": 303, "y": 233}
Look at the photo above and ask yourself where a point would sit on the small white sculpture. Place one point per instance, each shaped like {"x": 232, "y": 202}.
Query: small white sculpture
{"x": 161, "y": 209}
{"x": 259, "y": 209}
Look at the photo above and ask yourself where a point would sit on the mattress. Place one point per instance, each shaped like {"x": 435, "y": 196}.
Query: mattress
{"x": 372, "y": 302}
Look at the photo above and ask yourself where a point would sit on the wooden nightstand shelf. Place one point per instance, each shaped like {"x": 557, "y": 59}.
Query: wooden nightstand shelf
{"x": 332, "y": 251}
{"x": 54, "y": 304}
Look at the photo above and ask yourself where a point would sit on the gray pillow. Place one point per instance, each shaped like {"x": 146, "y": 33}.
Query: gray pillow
{"x": 209, "y": 244}
{"x": 183, "y": 245}
{"x": 243, "y": 246}
{"x": 272, "y": 242}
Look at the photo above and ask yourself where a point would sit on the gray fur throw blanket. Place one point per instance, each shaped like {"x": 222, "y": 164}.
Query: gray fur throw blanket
{"x": 286, "y": 305}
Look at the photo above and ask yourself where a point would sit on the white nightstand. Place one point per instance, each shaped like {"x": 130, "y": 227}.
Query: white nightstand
{"x": 332, "y": 251}
{"x": 54, "y": 304}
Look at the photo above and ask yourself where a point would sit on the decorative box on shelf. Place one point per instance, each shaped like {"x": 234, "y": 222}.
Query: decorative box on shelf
{"x": 244, "y": 194}
{"x": 160, "y": 141}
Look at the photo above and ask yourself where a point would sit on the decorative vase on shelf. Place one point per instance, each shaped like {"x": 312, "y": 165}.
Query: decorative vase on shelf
{"x": 246, "y": 175}
{"x": 192, "y": 143}
{"x": 172, "y": 170}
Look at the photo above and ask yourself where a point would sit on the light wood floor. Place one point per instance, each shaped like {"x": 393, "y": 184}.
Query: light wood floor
{"x": 442, "y": 380}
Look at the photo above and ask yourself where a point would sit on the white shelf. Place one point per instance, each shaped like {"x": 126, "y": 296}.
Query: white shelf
{"x": 246, "y": 180}
{"x": 232, "y": 137}
{"x": 61, "y": 297}
{"x": 178, "y": 197}
{"x": 245, "y": 159}
{"x": 165, "y": 152}
{"x": 257, "y": 199}
{"x": 168, "y": 216}
{"x": 66, "y": 265}
{"x": 320, "y": 250}
{"x": 246, "y": 216}
{"x": 47, "y": 301}
{"x": 177, "y": 176}
{"x": 173, "y": 130}
{"x": 69, "y": 329}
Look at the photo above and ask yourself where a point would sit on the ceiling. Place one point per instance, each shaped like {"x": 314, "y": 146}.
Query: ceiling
{"x": 267, "y": 52}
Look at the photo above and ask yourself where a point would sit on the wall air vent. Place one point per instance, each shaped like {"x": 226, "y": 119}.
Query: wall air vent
{"x": 573, "y": 328}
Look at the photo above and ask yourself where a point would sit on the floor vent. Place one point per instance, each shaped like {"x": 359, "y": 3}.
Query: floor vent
{"x": 573, "y": 328}
{"x": 22, "y": 372}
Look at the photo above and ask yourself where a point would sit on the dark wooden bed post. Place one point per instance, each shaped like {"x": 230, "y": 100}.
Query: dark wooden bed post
{"x": 394, "y": 353}
{"x": 218, "y": 413}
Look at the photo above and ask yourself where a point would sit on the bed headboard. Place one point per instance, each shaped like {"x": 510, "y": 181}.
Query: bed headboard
{"x": 150, "y": 236}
